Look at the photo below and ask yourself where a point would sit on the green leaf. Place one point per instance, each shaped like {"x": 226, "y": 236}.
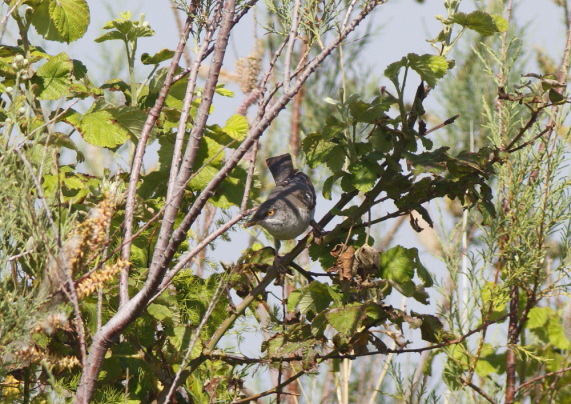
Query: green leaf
{"x": 557, "y": 335}
{"x": 555, "y": 97}
{"x": 392, "y": 70}
{"x": 364, "y": 177}
{"x": 329, "y": 182}
{"x": 398, "y": 264}
{"x": 481, "y": 22}
{"x": 237, "y": 127}
{"x": 220, "y": 90}
{"x": 490, "y": 362}
{"x": 345, "y": 319}
{"x": 365, "y": 112}
{"x": 381, "y": 140}
{"x": 54, "y": 77}
{"x": 159, "y": 311}
{"x": 318, "y": 150}
{"x": 312, "y": 299}
{"x": 99, "y": 128}
{"x": 160, "y": 56}
{"x": 126, "y": 30}
{"x": 70, "y": 17}
{"x": 61, "y": 21}
{"x": 538, "y": 316}
{"x": 429, "y": 67}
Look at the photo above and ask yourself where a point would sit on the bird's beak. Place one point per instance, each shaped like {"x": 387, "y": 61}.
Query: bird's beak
{"x": 250, "y": 223}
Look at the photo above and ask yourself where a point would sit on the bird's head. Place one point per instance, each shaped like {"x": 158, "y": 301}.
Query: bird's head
{"x": 269, "y": 214}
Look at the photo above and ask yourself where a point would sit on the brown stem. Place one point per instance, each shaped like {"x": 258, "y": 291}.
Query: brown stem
{"x": 478, "y": 390}
{"x": 138, "y": 162}
{"x": 538, "y": 378}
{"x": 512, "y": 341}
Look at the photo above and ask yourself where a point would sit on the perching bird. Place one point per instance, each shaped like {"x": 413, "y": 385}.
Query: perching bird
{"x": 290, "y": 207}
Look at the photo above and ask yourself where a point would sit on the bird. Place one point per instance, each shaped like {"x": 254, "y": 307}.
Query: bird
{"x": 290, "y": 206}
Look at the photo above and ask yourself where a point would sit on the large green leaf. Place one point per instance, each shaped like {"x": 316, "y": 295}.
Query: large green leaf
{"x": 483, "y": 23}
{"x": 54, "y": 77}
{"x": 399, "y": 264}
{"x": 61, "y": 20}
{"x": 99, "y": 128}
{"x": 237, "y": 127}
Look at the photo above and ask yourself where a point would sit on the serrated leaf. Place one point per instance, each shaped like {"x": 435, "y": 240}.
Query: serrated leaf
{"x": 312, "y": 299}
{"x": 557, "y": 335}
{"x": 481, "y": 22}
{"x": 70, "y": 17}
{"x": 99, "y": 128}
{"x": 237, "y": 127}
{"x": 397, "y": 264}
{"x": 318, "y": 150}
{"x": 131, "y": 118}
{"x": 429, "y": 67}
{"x": 160, "y": 56}
{"x": 363, "y": 177}
{"x": 538, "y": 316}
{"x": 54, "y": 77}
{"x": 42, "y": 21}
{"x": 345, "y": 319}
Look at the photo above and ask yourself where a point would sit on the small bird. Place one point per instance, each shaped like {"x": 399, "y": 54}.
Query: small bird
{"x": 290, "y": 207}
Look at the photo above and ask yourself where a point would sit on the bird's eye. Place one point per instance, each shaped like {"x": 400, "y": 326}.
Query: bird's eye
{"x": 271, "y": 212}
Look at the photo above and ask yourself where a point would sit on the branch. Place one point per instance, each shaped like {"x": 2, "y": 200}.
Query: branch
{"x": 478, "y": 390}
{"x": 200, "y": 246}
{"x": 290, "y": 44}
{"x": 138, "y": 161}
{"x": 161, "y": 254}
{"x": 276, "y": 389}
{"x": 538, "y": 378}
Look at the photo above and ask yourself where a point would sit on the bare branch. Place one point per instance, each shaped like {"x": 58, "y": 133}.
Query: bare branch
{"x": 290, "y": 44}
{"x": 138, "y": 161}
{"x": 539, "y": 378}
{"x": 199, "y": 247}
{"x": 478, "y": 390}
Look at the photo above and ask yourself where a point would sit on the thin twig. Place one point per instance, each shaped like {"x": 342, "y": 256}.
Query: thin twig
{"x": 478, "y": 390}
{"x": 164, "y": 240}
{"x": 538, "y": 378}
{"x": 290, "y": 44}
{"x": 183, "y": 261}
{"x": 39, "y": 191}
{"x": 192, "y": 343}
{"x": 250, "y": 177}
{"x": 276, "y": 389}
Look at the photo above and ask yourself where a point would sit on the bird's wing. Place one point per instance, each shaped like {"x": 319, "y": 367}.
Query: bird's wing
{"x": 297, "y": 186}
